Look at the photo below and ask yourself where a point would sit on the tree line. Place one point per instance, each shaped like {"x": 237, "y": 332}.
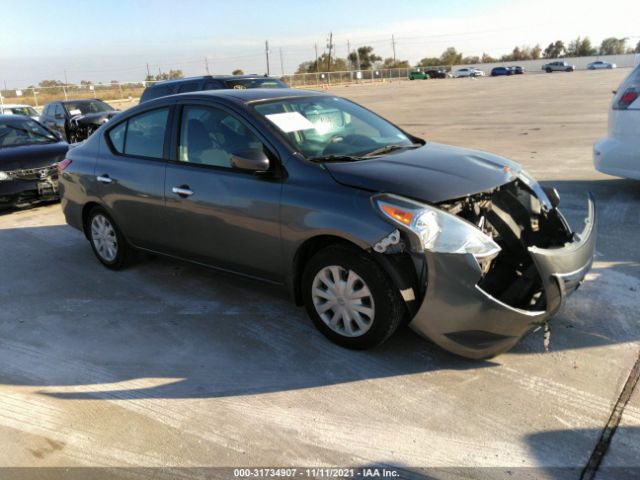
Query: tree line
{"x": 364, "y": 58}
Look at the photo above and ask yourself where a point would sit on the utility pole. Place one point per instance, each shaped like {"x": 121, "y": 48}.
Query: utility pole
{"x": 348, "y": 54}
{"x": 206, "y": 65}
{"x": 393, "y": 42}
{"x": 317, "y": 69}
{"x": 66, "y": 82}
{"x": 330, "y": 47}
{"x": 281, "y": 63}
{"x": 148, "y": 72}
{"x": 266, "y": 51}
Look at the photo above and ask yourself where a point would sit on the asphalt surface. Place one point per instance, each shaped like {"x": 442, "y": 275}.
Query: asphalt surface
{"x": 176, "y": 367}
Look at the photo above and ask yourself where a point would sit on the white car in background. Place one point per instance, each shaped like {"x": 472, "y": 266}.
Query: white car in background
{"x": 468, "y": 72}
{"x": 599, "y": 65}
{"x": 18, "y": 109}
{"x": 618, "y": 153}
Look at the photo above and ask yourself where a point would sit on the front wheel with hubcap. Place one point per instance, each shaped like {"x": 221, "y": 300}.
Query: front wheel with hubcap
{"x": 107, "y": 242}
{"x": 350, "y": 299}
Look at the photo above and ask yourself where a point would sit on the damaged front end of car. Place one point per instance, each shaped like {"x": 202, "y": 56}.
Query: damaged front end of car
{"x": 82, "y": 126}
{"x": 497, "y": 264}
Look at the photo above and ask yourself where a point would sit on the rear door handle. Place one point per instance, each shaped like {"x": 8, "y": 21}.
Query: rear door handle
{"x": 104, "y": 178}
{"x": 182, "y": 190}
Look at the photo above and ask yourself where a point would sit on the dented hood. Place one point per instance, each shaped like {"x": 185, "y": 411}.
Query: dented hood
{"x": 432, "y": 173}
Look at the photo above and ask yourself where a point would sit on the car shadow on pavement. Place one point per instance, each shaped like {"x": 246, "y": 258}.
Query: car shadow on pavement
{"x": 617, "y": 460}
{"x": 164, "y": 329}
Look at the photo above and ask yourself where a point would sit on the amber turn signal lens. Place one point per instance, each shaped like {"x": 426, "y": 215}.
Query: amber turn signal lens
{"x": 403, "y": 216}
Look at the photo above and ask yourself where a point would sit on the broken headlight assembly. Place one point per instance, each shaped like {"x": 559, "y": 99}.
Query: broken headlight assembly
{"x": 437, "y": 231}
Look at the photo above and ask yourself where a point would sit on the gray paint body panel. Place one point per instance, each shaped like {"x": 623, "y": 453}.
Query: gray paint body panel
{"x": 256, "y": 224}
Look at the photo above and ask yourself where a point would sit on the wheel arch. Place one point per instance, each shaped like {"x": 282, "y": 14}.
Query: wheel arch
{"x": 85, "y": 216}
{"x": 399, "y": 267}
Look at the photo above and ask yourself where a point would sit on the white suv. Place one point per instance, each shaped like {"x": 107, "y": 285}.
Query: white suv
{"x": 618, "y": 153}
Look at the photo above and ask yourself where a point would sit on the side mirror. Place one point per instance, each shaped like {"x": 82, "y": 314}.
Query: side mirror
{"x": 250, "y": 159}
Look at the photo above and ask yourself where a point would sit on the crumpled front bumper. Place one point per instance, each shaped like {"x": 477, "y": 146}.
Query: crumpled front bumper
{"x": 460, "y": 317}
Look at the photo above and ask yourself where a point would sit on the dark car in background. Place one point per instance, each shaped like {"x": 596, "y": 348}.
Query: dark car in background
{"x": 498, "y": 71}
{"x": 76, "y": 120}
{"x": 366, "y": 225}
{"x": 29, "y": 154}
{"x": 517, "y": 70}
{"x": 438, "y": 73}
{"x": 209, "y": 82}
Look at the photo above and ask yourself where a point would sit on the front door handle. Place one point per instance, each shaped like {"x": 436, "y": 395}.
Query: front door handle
{"x": 182, "y": 190}
{"x": 104, "y": 178}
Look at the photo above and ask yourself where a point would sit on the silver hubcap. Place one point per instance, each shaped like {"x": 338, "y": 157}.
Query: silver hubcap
{"x": 104, "y": 238}
{"x": 343, "y": 301}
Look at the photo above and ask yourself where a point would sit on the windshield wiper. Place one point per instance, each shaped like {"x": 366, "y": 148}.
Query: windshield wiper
{"x": 334, "y": 158}
{"x": 390, "y": 148}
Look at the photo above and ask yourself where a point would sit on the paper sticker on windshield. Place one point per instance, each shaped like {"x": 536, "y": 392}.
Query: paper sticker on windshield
{"x": 290, "y": 121}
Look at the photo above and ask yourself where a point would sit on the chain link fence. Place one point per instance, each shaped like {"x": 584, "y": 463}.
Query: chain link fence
{"x": 301, "y": 80}
{"x": 39, "y": 96}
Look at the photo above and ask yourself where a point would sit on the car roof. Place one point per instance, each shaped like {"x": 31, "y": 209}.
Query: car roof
{"x": 211, "y": 77}
{"x": 254, "y": 94}
{"x": 81, "y": 100}
{"x": 238, "y": 96}
{"x": 14, "y": 118}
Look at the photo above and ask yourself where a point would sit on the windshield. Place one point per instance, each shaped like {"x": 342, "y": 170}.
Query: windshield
{"x": 92, "y": 106}
{"x": 254, "y": 83}
{"x": 330, "y": 126}
{"x": 28, "y": 132}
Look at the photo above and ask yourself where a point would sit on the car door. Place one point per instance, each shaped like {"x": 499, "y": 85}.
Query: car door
{"x": 130, "y": 172}
{"x": 217, "y": 214}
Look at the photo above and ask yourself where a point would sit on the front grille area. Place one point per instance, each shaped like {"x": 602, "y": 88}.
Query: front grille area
{"x": 34, "y": 173}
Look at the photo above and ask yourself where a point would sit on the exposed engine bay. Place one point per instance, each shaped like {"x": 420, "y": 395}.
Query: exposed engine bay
{"x": 82, "y": 126}
{"x": 515, "y": 219}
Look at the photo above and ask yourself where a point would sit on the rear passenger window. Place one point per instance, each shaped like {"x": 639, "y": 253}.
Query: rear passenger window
{"x": 116, "y": 135}
{"x": 145, "y": 134}
{"x": 142, "y": 135}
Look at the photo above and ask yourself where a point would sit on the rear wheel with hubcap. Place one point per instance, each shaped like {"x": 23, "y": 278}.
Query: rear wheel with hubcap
{"x": 107, "y": 242}
{"x": 350, "y": 299}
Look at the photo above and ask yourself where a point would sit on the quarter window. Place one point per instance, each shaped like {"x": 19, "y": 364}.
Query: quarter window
{"x": 142, "y": 135}
{"x": 209, "y": 136}
{"x": 116, "y": 135}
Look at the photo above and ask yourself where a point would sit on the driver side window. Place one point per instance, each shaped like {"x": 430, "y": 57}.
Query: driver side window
{"x": 209, "y": 136}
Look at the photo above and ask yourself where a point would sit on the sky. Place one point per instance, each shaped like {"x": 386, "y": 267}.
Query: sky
{"x": 115, "y": 39}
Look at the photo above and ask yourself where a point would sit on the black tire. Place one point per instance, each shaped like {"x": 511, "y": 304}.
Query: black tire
{"x": 549, "y": 70}
{"x": 124, "y": 252}
{"x": 389, "y": 310}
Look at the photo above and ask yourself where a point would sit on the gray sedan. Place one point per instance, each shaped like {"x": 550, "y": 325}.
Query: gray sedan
{"x": 366, "y": 225}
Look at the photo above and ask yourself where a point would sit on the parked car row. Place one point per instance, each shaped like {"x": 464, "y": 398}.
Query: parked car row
{"x": 32, "y": 144}
{"x": 422, "y": 74}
